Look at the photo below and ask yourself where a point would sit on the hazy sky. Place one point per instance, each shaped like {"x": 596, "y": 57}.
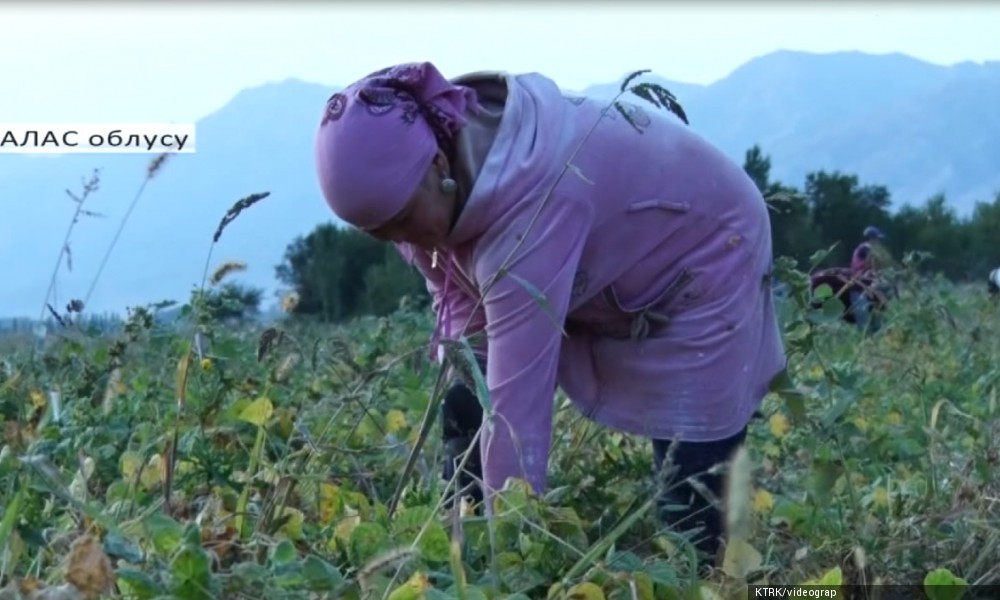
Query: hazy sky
{"x": 117, "y": 62}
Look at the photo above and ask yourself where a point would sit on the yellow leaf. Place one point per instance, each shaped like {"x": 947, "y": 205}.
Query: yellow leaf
{"x": 894, "y": 418}
{"x": 705, "y": 591}
{"x": 206, "y": 364}
{"x": 779, "y": 425}
{"x": 880, "y": 497}
{"x": 415, "y": 587}
{"x": 740, "y": 559}
{"x": 347, "y": 523}
{"x": 38, "y": 399}
{"x": 129, "y": 464}
{"x": 292, "y": 528}
{"x": 833, "y": 577}
{"x": 395, "y": 420}
{"x": 154, "y": 472}
{"x": 181, "y": 379}
{"x": 586, "y": 591}
{"x": 861, "y": 423}
{"x": 643, "y": 586}
{"x": 554, "y": 590}
{"x": 330, "y": 502}
{"x": 257, "y": 412}
{"x": 763, "y": 501}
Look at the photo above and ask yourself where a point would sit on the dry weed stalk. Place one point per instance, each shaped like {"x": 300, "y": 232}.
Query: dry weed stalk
{"x": 282, "y": 372}
{"x": 151, "y": 170}
{"x": 89, "y": 186}
{"x": 268, "y": 341}
{"x": 227, "y": 268}
{"x": 289, "y": 302}
{"x": 234, "y": 211}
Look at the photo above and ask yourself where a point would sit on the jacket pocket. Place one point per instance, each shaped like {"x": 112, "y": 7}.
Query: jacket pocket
{"x": 654, "y": 315}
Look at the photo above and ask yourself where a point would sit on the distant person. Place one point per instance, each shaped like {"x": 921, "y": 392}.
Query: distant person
{"x": 652, "y": 250}
{"x": 870, "y": 256}
{"x": 993, "y": 283}
{"x": 868, "y": 260}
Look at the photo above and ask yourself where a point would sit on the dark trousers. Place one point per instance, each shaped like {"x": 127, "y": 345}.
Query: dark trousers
{"x": 681, "y": 506}
{"x": 461, "y": 417}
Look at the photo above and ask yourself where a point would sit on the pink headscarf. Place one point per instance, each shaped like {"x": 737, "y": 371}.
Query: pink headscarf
{"x": 379, "y": 135}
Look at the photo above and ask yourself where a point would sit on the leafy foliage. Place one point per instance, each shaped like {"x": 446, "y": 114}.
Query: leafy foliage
{"x": 875, "y": 459}
{"x": 231, "y": 301}
{"x": 832, "y": 210}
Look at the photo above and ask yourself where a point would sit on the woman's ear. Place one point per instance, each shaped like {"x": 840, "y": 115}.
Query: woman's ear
{"x": 441, "y": 163}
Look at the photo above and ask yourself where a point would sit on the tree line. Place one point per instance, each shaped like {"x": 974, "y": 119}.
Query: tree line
{"x": 341, "y": 273}
{"x": 834, "y": 208}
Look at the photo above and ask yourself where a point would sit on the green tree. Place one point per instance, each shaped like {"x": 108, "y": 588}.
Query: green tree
{"x": 840, "y": 208}
{"x": 983, "y": 233}
{"x": 389, "y": 281}
{"x": 311, "y": 269}
{"x": 231, "y": 301}
{"x": 787, "y": 208}
{"x": 342, "y": 273}
{"x": 933, "y": 228}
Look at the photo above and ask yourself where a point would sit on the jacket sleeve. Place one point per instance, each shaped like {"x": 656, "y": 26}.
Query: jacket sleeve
{"x": 524, "y": 336}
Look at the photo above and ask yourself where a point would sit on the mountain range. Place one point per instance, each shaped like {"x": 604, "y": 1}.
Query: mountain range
{"x": 917, "y": 128}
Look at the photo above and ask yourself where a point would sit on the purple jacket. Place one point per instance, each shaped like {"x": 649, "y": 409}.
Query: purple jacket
{"x": 653, "y": 250}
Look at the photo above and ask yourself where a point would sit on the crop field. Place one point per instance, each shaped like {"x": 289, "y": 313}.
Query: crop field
{"x": 201, "y": 460}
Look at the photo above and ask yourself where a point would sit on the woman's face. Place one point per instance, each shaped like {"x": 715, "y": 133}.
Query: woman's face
{"x": 426, "y": 219}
